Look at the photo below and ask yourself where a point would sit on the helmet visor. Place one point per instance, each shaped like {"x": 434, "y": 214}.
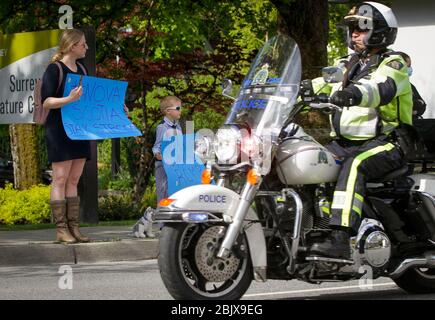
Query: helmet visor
{"x": 358, "y": 23}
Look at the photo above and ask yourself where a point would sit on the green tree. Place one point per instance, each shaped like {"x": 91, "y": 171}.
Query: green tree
{"x": 179, "y": 47}
{"x": 163, "y": 47}
{"x": 314, "y": 24}
{"x": 186, "y": 49}
{"x": 337, "y": 37}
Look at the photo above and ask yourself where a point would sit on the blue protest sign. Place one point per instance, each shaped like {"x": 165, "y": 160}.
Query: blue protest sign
{"x": 99, "y": 113}
{"x": 183, "y": 169}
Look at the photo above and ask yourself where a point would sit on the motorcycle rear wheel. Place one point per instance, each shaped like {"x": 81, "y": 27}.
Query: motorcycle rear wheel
{"x": 190, "y": 271}
{"x": 417, "y": 281}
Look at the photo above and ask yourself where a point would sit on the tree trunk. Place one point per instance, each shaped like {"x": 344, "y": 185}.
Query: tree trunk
{"x": 306, "y": 21}
{"x": 24, "y": 149}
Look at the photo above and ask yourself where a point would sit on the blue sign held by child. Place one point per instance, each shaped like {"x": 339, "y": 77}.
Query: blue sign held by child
{"x": 183, "y": 168}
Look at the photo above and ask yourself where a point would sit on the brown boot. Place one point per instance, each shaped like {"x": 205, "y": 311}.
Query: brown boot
{"x": 73, "y": 212}
{"x": 58, "y": 209}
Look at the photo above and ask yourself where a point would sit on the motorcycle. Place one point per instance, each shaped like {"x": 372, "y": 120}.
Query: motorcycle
{"x": 272, "y": 198}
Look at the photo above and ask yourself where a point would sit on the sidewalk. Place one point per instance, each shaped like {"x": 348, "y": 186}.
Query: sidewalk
{"x": 37, "y": 247}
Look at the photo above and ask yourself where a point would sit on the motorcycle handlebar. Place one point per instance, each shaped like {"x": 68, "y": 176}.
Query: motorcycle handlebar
{"x": 322, "y": 98}
{"x": 326, "y": 106}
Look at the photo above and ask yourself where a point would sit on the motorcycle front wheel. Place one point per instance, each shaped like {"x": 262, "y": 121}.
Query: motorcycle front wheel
{"x": 189, "y": 267}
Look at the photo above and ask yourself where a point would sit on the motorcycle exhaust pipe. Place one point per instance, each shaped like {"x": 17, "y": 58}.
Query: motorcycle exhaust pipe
{"x": 423, "y": 262}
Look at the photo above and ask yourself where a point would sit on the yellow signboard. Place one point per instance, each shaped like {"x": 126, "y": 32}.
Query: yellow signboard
{"x": 23, "y": 60}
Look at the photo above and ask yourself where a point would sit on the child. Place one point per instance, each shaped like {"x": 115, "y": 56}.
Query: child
{"x": 170, "y": 106}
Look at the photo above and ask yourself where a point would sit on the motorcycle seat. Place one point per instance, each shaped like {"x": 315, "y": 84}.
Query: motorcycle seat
{"x": 391, "y": 175}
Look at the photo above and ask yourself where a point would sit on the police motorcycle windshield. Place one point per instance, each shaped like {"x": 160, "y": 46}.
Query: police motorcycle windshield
{"x": 270, "y": 89}
{"x": 266, "y": 98}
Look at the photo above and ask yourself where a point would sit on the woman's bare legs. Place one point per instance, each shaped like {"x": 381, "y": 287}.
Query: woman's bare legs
{"x": 74, "y": 176}
{"x": 61, "y": 172}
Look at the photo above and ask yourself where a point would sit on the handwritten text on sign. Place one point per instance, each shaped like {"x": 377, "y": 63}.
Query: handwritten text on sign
{"x": 183, "y": 168}
{"x": 99, "y": 113}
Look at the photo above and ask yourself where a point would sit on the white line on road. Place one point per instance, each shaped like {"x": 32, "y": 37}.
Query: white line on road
{"x": 320, "y": 290}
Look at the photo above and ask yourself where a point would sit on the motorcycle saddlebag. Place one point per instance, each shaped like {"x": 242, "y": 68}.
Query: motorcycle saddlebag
{"x": 410, "y": 142}
{"x": 426, "y": 130}
{"x": 421, "y": 213}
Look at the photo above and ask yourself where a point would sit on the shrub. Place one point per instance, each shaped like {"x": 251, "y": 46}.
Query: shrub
{"x": 149, "y": 198}
{"x": 118, "y": 207}
{"x": 30, "y": 206}
{"x": 122, "y": 181}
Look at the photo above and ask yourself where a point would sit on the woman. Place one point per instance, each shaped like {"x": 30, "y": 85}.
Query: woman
{"x": 67, "y": 156}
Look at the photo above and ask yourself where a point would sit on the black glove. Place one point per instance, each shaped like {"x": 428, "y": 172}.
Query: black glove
{"x": 343, "y": 98}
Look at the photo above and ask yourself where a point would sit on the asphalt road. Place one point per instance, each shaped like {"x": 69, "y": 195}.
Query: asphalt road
{"x": 141, "y": 280}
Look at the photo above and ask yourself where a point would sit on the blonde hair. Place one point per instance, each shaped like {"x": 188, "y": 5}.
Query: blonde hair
{"x": 168, "y": 102}
{"x": 68, "y": 38}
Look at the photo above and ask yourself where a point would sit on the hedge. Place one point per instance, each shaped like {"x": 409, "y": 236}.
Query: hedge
{"x": 30, "y": 206}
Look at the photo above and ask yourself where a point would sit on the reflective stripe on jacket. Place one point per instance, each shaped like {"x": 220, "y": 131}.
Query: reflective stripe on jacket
{"x": 386, "y": 98}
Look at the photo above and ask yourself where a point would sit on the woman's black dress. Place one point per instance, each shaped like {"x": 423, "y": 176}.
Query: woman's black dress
{"x": 59, "y": 146}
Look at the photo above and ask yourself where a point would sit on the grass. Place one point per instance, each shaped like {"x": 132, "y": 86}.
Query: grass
{"x": 24, "y": 227}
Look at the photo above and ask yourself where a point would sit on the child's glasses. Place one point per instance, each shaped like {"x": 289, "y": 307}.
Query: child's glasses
{"x": 175, "y": 108}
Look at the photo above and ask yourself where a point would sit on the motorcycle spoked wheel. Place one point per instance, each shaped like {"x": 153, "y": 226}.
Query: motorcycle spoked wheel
{"x": 189, "y": 270}
{"x": 417, "y": 281}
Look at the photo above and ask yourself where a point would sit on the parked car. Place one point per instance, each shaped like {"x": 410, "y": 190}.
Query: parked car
{"x": 7, "y": 172}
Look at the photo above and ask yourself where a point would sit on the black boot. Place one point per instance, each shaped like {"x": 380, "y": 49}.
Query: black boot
{"x": 336, "y": 246}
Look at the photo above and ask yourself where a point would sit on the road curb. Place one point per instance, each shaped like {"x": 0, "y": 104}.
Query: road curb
{"x": 52, "y": 253}
{"x": 123, "y": 250}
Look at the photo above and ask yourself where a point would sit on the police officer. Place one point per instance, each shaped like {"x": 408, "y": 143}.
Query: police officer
{"x": 375, "y": 97}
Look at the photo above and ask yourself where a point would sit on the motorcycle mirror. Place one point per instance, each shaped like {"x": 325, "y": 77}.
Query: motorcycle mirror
{"x": 332, "y": 74}
{"x": 227, "y": 88}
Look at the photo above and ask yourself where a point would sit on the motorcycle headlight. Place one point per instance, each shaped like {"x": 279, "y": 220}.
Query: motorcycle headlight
{"x": 204, "y": 148}
{"x": 227, "y": 144}
{"x": 251, "y": 147}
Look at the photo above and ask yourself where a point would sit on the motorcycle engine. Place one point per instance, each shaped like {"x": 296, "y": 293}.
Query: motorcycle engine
{"x": 372, "y": 245}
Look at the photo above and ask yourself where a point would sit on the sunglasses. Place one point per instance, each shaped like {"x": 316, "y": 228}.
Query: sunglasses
{"x": 176, "y": 108}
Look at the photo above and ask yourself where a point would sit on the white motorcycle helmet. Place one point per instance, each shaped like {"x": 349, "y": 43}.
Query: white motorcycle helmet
{"x": 378, "y": 19}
